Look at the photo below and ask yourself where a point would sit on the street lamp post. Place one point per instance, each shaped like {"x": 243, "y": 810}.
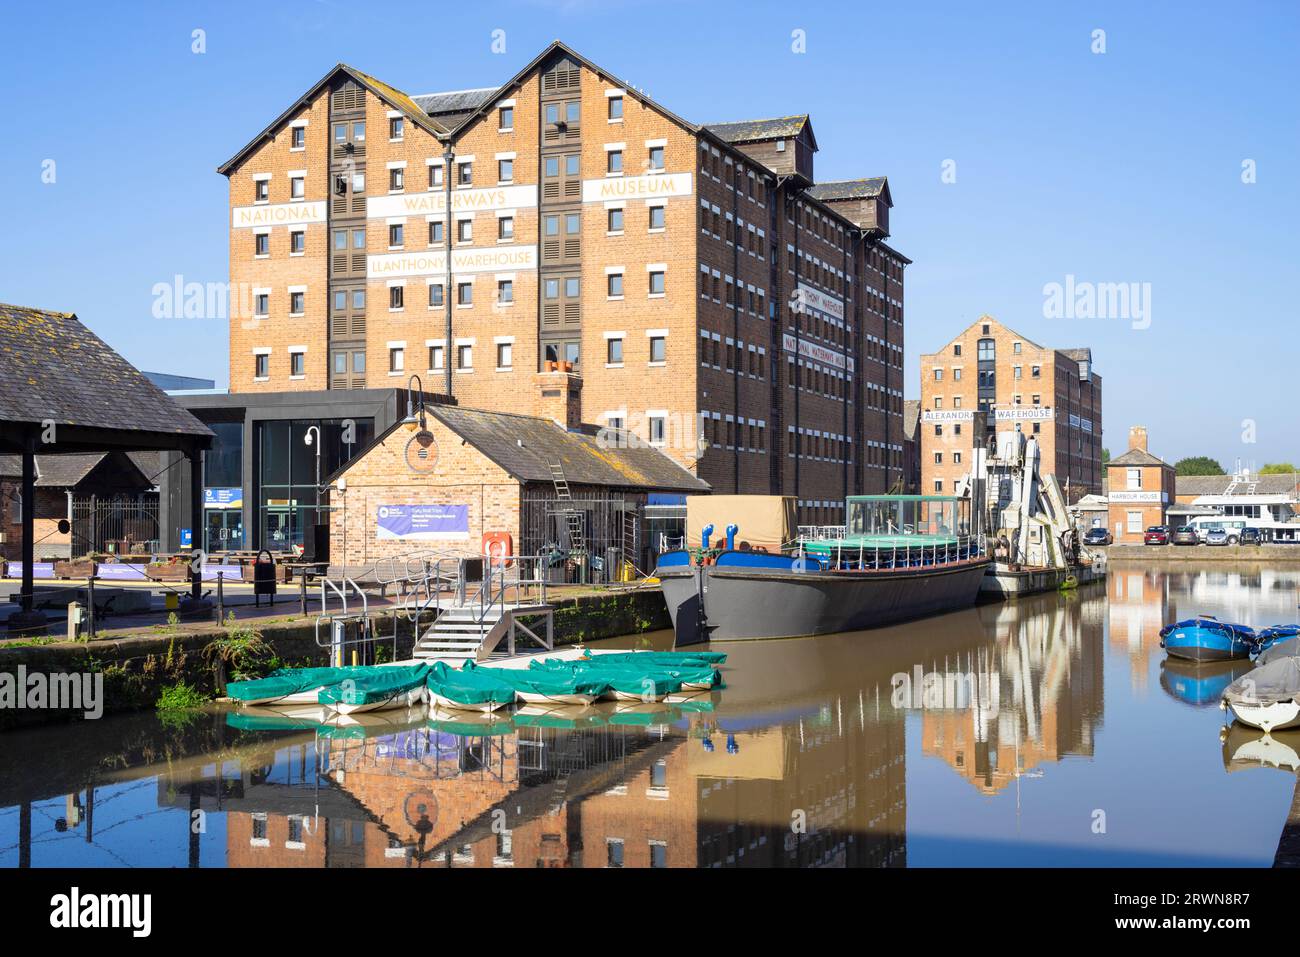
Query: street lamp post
{"x": 308, "y": 441}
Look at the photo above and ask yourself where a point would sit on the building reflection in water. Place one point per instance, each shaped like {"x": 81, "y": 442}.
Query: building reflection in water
{"x": 823, "y": 785}
{"x": 1029, "y": 696}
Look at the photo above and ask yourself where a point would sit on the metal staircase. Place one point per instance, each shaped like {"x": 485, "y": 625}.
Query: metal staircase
{"x": 471, "y": 619}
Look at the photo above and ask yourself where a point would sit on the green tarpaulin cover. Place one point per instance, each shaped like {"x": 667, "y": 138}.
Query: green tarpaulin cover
{"x": 379, "y": 685}
{"x": 469, "y": 686}
{"x": 625, "y": 680}
{"x": 545, "y": 682}
{"x": 286, "y": 681}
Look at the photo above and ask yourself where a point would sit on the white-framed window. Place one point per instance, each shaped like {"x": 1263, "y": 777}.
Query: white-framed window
{"x": 396, "y": 356}
{"x": 1135, "y": 521}
{"x": 505, "y": 355}
{"x": 1134, "y": 478}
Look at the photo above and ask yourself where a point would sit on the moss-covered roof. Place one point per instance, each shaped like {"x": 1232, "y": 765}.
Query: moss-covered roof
{"x": 55, "y": 371}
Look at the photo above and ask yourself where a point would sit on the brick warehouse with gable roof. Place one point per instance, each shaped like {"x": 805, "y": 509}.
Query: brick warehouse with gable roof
{"x": 706, "y": 293}
{"x": 496, "y": 468}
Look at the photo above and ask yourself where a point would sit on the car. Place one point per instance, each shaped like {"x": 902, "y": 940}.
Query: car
{"x": 1186, "y": 535}
{"x": 1156, "y": 535}
{"x": 1216, "y": 536}
{"x": 1251, "y": 536}
{"x": 1097, "y": 535}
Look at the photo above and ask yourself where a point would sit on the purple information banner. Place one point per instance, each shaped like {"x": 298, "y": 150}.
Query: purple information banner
{"x": 39, "y": 570}
{"x": 422, "y": 522}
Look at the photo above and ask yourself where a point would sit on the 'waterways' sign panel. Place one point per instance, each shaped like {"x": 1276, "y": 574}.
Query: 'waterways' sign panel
{"x": 422, "y": 522}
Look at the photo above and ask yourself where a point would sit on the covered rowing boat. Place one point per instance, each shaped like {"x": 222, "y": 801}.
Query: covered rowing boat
{"x": 291, "y": 686}
{"x": 468, "y": 689}
{"x": 545, "y": 686}
{"x": 1266, "y": 698}
{"x": 396, "y": 686}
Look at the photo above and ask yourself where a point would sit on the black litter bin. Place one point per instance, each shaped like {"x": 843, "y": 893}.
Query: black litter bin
{"x": 264, "y": 577}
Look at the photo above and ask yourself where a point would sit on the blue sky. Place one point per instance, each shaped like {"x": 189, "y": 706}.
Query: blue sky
{"x": 1115, "y": 167}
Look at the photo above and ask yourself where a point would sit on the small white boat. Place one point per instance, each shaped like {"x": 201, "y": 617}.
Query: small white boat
{"x": 444, "y": 703}
{"x": 1266, "y": 698}
{"x": 561, "y": 698}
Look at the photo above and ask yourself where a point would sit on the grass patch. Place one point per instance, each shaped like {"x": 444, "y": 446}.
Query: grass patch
{"x": 180, "y": 697}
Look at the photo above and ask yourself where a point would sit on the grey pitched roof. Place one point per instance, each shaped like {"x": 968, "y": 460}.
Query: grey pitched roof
{"x": 868, "y": 188}
{"x": 69, "y": 471}
{"x": 1136, "y": 457}
{"x": 525, "y": 446}
{"x": 753, "y": 131}
{"x": 454, "y": 101}
{"x": 57, "y": 371}
{"x": 1078, "y": 355}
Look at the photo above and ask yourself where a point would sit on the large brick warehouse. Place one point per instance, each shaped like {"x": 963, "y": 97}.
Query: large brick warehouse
{"x": 692, "y": 284}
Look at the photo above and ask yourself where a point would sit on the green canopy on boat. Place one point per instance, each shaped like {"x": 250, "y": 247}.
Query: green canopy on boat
{"x": 287, "y": 681}
{"x": 559, "y": 681}
{"x": 470, "y": 685}
{"x": 380, "y": 684}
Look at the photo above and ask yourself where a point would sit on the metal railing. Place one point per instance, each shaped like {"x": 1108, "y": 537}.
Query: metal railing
{"x": 866, "y": 557}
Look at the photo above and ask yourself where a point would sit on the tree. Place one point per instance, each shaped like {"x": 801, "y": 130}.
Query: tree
{"x": 1198, "y": 465}
{"x": 1105, "y": 456}
{"x": 1277, "y": 468}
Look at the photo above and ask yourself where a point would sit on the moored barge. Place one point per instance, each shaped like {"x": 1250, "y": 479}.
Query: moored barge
{"x": 898, "y": 557}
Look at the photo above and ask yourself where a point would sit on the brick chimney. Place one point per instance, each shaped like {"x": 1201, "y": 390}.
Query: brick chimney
{"x": 1137, "y": 437}
{"x": 558, "y": 396}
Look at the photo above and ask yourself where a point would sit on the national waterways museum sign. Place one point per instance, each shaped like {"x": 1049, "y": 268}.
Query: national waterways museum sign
{"x": 654, "y": 186}
{"x": 434, "y": 262}
{"x": 434, "y": 202}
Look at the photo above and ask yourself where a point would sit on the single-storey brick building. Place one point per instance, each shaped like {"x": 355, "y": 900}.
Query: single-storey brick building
{"x": 443, "y": 485}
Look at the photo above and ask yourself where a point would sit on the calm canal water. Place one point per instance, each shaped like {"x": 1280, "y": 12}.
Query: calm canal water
{"x": 1048, "y": 732}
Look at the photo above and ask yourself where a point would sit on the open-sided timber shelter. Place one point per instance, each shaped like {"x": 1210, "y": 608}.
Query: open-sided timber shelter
{"x": 64, "y": 391}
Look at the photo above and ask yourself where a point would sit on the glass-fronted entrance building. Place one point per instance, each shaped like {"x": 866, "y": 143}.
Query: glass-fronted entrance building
{"x": 260, "y": 487}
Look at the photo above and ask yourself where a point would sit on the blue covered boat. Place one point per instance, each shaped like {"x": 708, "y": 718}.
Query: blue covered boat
{"x": 1205, "y": 638}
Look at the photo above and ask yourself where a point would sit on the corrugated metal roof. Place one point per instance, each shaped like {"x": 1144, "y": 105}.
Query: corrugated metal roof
{"x": 56, "y": 370}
